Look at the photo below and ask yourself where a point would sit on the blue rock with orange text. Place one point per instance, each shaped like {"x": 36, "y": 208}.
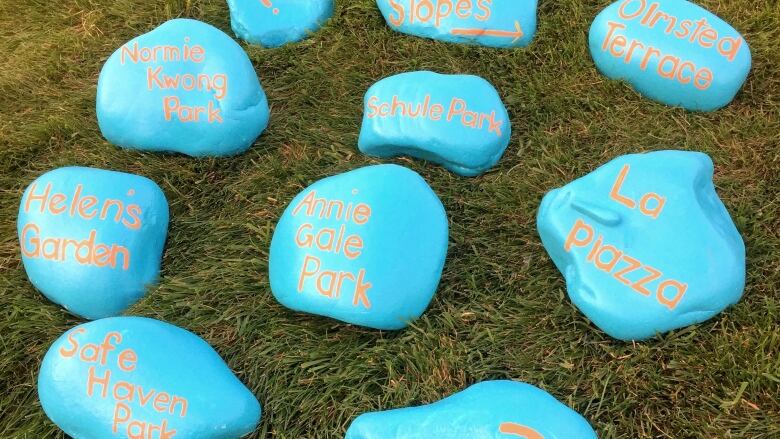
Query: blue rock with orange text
{"x": 671, "y": 51}
{"x": 645, "y": 244}
{"x": 458, "y": 121}
{"x": 184, "y": 87}
{"x": 133, "y": 377}
{"x": 366, "y": 247}
{"x": 92, "y": 240}
{"x": 491, "y": 23}
{"x": 273, "y": 23}
{"x": 488, "y": 410}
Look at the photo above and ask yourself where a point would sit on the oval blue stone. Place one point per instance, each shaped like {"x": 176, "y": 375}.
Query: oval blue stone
{"x": 671, "y": 51}
{"x": 141, "y": 378}
{"x": 91, "y": 239}
{"x": 273, "y": 23}
{"x": 488, "y": 410}
{"x": 184, "y": 87}
{"x": 504, "y": 24}
{"x": 366, "y": 247}
{"x": 457, "y": 121}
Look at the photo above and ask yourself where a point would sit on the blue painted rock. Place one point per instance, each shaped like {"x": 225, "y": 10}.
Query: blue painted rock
{"x": 645, "y": 244}
{"x": 457, "y": 121}
{"x": 366, "y": 247}
{"x": 488, "y": 410}
{"x": 273, "y": 23}
{"x": 184, "y": 87}
{"x": 499, "y": 23}
{"x": 672, "y": 51}
{"x": 141, "y": 378}
{"x": 92, "y": 240}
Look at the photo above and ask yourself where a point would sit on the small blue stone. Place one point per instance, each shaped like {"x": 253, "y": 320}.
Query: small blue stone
{"x": 458, "y": 121}
{"x": 645, "y": 244}
{"x": 273, "y": 23}
{"x": 502, "y": 24}
{"x": 92, "y": 240}
{"x": 488, "y": 410}
{"x": 366, "y": 247}
{"x": 184, "y": 87}
{"x": 141, "y": 378}
{"x": 671, "y": 51}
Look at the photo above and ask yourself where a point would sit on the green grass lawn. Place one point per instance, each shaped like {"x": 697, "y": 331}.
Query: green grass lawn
{"x": 501, "y": 310}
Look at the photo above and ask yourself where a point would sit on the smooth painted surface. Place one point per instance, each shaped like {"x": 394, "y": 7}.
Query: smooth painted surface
{"x": 273, "y": 23}
{"x": 458, "y": 121}
{"x": 184, "y": 87}
{"x": 671, "y": 51}
{"x": 92, "y": 240}
{"x": 645, "y": 244}
{"x": 492, "y": 23}
{"x": 488, "y": 410}
{"x": 135, "y": 377}
{"x": 365, "y": 247}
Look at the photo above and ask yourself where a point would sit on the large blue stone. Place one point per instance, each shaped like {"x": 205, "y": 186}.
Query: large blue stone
{"x": 273, "y": 23}
{"x": 457, "y": 121}
{"x": 92, "y": 240}
{"x": 500, "y": 23}
{"x": 366, "y": 247}
{"x": 488, "y": 410}
{"x": 671, "y": 51}
{"x": 645, "y": 244}
{"x": 184, "y": 87}
{"x": 134, "y": 377}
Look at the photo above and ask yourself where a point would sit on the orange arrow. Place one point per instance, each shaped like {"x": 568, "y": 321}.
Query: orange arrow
{"x": 517, "y": 33}
{"x": 520, "y": 430}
